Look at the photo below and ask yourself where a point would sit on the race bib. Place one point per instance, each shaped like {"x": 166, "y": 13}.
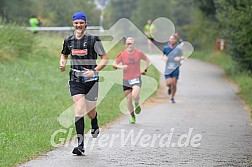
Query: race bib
{"x": 134, "y": 81}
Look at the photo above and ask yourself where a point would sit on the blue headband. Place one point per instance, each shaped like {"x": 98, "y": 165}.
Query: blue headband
{"x": 79, "y": 16}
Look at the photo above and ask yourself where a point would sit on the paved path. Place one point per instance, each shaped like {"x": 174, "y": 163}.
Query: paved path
{"x": 170, "y": 134}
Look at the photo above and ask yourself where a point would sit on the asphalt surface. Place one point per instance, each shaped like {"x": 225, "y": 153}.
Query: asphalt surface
{"x": 208, "y": 126}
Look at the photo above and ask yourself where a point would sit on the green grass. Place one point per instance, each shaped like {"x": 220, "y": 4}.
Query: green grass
{"x": 232, "y": 71}
{"x": 15, "y": 42}
{"x": 34, "y": 93}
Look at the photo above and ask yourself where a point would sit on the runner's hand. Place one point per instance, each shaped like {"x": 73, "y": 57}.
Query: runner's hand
{"x": 89, "y": 73}
{"x": 124, "y": 67}
{"x": 177, "y": 58}
{"x": 143, "y": 73}
{"x": 62, "y": 66}
{"x": 165, "y": 58}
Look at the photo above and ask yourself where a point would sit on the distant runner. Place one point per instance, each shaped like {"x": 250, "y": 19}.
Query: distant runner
{"x": 172, "y": 55}
{"x": 130, "y": 59}
{"x": 149, "y": 31}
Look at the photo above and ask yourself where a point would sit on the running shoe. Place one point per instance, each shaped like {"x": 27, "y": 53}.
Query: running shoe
{"x": 138, "y": 109}
{"x": 78, "y": 150}
{"x": 95, "y": 132}
{"x": 132, "y": 119}
{"x": 172, "y": 100}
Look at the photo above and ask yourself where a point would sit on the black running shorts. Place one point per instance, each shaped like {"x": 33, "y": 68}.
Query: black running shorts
{"x": 89, "y": 89}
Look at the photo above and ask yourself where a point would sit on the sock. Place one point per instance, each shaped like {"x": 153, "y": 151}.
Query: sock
{"x": 94, "y": 122}
{"x": 132, "y": 114}
{"x": 79, "y": 125}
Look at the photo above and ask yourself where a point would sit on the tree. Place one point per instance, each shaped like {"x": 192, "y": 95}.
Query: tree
{"x": 235, "y": 19}
{"x": 118, "y": 9}
{"x": 151, "y": 10}
{"x": 183, "y": 14}
{"x": 56, "y": 13}
{"x": 15, "y": 11}
{"x": 207, "y": 7}
{"x": 233, "y": 22}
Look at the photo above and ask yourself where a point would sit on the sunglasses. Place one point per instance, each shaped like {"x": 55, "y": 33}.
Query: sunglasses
{"x": 129, "y": 43}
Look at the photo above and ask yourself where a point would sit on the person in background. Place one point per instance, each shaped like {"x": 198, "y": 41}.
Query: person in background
{"x": 149, "y": 31}
{"x": 172, "y": 55}
{"x": 129, "y": 61}
{"x": 34, "y": 23}
{"x": 177, "y": 36}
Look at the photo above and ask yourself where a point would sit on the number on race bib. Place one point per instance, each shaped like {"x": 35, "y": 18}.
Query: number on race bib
{"x": 134, "y": 81}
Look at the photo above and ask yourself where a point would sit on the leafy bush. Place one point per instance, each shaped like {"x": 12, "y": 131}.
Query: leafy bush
{"x": 234, "y": 24}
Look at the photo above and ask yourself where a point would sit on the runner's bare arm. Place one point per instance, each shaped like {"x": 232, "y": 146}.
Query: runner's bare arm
{"x": 165, "y": 58}
{"x": 116, "y": 66}
{"x": 99, "y": 67}
{"x": 102, "y": 63}
{"x": 179, "y": 58}
{"x": 147, "y": 63}
{"x": 63, "y": 62}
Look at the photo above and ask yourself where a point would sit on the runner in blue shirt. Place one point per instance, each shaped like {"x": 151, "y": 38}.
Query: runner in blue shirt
{"x": 172, "y": 55}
